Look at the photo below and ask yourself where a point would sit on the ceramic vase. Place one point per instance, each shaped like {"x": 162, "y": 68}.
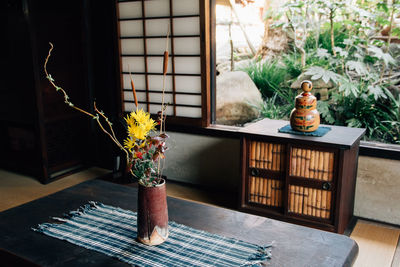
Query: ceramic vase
{"x": 305, "y": 116}
{"x": 152, "y": 218}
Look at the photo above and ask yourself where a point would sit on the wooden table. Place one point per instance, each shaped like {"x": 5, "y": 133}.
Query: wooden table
{"x": 294, "y": 245}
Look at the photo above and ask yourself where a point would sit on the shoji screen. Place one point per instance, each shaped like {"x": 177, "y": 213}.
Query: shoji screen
{"x": 143, "y": 27}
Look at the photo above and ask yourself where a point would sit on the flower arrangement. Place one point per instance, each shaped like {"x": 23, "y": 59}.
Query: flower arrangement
{"x": 143, "y": 148}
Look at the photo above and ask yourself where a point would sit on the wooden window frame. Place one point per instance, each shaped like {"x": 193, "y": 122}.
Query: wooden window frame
{"x": 205, "y": 75}
{"x": 205, "y": 126}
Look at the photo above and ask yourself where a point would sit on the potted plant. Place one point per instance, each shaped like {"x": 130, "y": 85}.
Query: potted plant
{"x": 144, "y": 150}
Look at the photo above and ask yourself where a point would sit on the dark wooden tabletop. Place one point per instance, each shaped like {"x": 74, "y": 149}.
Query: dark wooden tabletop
{"x": 338, "y": 136}
{"x": 294, "y": 245}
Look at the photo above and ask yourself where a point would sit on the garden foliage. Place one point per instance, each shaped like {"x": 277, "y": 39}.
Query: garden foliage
{"x": 338, "y": 41}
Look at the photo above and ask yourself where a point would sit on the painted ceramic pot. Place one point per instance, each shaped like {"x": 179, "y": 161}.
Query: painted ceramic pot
{"x": 305, "y": 116}
{"x": 152, "y": 218}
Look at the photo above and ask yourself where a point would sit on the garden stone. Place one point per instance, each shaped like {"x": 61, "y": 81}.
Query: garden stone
{"x": 237, "y": 98}
{"x": 320, "y": 88}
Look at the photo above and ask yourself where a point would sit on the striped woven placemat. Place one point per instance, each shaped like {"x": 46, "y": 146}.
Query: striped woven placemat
{"x": 112, "y": 231}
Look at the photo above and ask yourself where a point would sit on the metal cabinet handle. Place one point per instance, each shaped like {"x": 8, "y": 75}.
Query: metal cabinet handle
{"x": 255, "y": 172}
{"x": 326, "y": 186}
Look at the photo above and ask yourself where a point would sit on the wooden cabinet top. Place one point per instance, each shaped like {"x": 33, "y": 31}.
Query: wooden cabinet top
{"x": 338, "y": 136}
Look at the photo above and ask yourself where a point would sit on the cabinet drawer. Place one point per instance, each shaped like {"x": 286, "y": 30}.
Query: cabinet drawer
{"x": 267, "y": 156}
{"x": 311, "y": 182}
{"x": 265, "y": 191}
{"x": 310, "y": 201}
{"x": 312, "y": 163}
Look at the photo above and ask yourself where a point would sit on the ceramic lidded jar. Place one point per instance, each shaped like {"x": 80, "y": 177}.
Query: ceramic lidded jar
{"x": 305, "y": 116}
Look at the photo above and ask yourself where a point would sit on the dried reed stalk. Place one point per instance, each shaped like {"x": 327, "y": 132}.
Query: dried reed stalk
{"x": 278, "y": 158}
{"x": 321, "y": 165}
{"x": 133, "y": 88}
{"x": 258, "y": 150}
{"x": 293, "y": 164}
{"x": 318, "y": 211}
{"x": 273, "y": 193}
{"x": 279, "y": 191}
{"x": 312, "y": 164}
{"x": 316, "y": 163}
{"x": 314, "y": 202}
{"x": 270, "y": 156}
{"x": 262, "y": 158}
{"x": 291, "y": 199}
{"x": 330, "y": 166}
{"x": 253, "y": 154}
{"x": 307, "y": 166}
{"x": 266, "y": 155}
{"x": 252, "y": 185}
{"x": 265, "y": 192}
{"x": 299, "y": 162}
{"x": 305, "y": 201}
{"x": 303, "y": 162}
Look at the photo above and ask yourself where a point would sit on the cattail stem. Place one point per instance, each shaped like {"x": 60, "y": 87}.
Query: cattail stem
{"x": 133, "y": 88}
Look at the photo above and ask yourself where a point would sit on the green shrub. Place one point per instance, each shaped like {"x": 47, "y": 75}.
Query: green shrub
{"x": 268, "y": 77}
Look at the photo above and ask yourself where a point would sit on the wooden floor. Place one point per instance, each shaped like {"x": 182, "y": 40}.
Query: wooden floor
{"x": 378, "y": 243}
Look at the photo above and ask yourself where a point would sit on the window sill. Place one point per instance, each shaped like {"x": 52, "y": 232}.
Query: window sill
{"x": 370, "y": 149}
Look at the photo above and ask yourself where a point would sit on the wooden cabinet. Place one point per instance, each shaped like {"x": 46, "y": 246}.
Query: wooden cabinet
{"x": 300, "y": 179}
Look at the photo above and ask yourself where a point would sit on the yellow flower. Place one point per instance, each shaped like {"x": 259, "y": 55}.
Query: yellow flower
{"x": 129, "y": 143}
{"x": 139, "y": 124}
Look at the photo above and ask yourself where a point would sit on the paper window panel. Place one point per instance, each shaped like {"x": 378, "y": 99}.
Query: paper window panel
{"x": 131, "y": 28}
{"x": 128, "y": 10}
{"x": 155, "y": 65}
{"x": 130, "y": 106}
{"x": 136, "y": 64}
{"x": 128, "y": 96}
{"x": 157, "y": 98}
{"x": 156, "y": 8}
{"x": 156, "y": 46}
{"x": 138, "y": 80}
{"x": 156, "y": 82}
{"x": 188, "y": 84}
{"x": 188, "y": 112}
{"x": 186, "y": 26}
{"x": 132, "y": 47}
{"x": 187, "y": 65}
{"x": 157, "y": 27}
{"x": 143, "y": 40}
{"x": 187, "y": 46}
{"x": 155, "y": 108}
{"x": 194, "y": 100}
{"x": 185, "y": 7}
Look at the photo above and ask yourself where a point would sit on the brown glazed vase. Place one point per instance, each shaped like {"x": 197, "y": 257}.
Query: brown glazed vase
{"x": 152, "y": 218}
{"x": 305, "y": 116}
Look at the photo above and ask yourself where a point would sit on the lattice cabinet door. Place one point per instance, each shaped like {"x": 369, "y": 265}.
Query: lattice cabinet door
{"x": 266, "y": 173}
{"x": 311, "y": 183}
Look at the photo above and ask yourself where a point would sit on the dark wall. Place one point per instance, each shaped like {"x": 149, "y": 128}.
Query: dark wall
{"x": 35, "y": 123}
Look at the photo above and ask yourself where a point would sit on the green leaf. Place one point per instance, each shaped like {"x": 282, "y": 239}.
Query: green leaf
{"x": 50, "y": 78}
{"x": 321, "y": 73}
{"x": 323, "y": 53}
{"x": 341, "y": 51}
{"x": 385, "y": 57}
{"x": 348, "y": 88}
{"x": 376, "y": 91}
{"x": 357, "y": 66}
{"x": 323, "y": 108}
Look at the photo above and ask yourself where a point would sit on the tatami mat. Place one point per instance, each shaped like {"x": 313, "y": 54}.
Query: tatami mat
{"x": 17, "y": 189}
{"x": 377, "y": 244}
